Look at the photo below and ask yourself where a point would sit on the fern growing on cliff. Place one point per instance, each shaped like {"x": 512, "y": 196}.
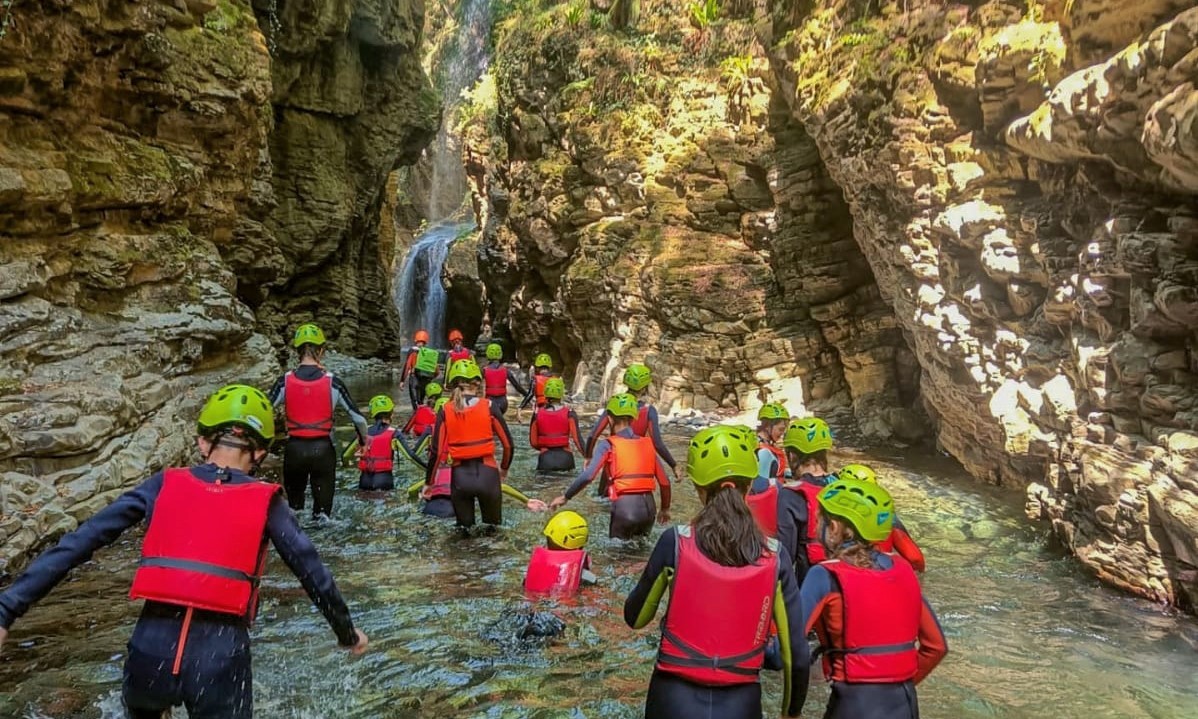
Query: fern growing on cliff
{"x": 703, "y": 13}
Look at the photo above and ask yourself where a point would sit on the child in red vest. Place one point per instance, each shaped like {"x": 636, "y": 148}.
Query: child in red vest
{"x": 560, "y": 567}
{"x": 377, "y": 458}
{"x": 553, "y": 427}
{"x": 422, "y": 420}
{"x": 899, "y": 542}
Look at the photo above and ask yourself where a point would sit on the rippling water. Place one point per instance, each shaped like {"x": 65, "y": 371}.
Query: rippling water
{"x": 1030, "y": 635}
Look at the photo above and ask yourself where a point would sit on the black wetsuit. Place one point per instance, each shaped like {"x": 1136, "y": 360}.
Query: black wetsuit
{"x": 312, "y": 461}
{"x": 215, "y": 678}
{"x": 672, "y": 697}
{"x": 474, "y": 478}
{"x": 632, "y": 515}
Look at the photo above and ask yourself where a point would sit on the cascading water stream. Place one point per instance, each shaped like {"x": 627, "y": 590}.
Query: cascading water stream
{"x": 420, "y": 296}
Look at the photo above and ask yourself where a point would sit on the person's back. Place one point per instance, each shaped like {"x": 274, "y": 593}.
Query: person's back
{"x": 190, "y": 645}
{"x": 552, "y": 429}
{"x": 723, "y": 577}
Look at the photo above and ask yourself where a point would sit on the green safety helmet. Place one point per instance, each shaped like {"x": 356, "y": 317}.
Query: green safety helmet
{"x": 623, "y": 405}
{"x": 543, "y": 360}
{"x": 555, "y": 388}
{"x": 432, "y": 389}
{"x": 308, "y": 334}
{"x": 722, "y": 452}
{"x": 637, "y": 377}
{"x": 441, "y": 402}
{"x": 867, "y": 507}
{"x": 859, "y": 472}
{"x": 465, "y": 370}
{"x": 808, "y": 435}
{"x": 238, "y": 405}
{"x": 772, "y": 411}
{"x": 381, "y": 404}
{"x": 568, "y": 530}
{"x": 494, "y": 351}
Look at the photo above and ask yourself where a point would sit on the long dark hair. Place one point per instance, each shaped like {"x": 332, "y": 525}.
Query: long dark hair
{"x": 309, "y": 350}
{"x": 725, "y": 529}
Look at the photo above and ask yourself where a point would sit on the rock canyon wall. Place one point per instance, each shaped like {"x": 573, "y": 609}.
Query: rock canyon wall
{"x": 170, "y": 198}
{"x": 976, "y": 218}
{"x": 1021, "y": 178}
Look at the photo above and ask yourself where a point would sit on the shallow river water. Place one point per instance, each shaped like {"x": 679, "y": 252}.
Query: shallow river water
{"x": 1030, "y": 635}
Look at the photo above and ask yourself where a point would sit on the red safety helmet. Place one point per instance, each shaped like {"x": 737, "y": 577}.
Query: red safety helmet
{"x": 456, "y": 336}
{"x": 420, "y": 336}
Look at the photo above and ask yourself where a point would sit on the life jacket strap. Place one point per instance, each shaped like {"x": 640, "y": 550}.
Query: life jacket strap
{"x": 190, "y": 565}
{"x": 695, "y": 658}
{"x": 872, "y": 649}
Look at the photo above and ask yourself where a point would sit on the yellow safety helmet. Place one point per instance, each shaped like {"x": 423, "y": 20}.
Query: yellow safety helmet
{"x": 568, "y": 530}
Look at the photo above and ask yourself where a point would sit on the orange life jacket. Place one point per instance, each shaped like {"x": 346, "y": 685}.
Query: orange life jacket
{"x": 469, "y": 433}
{"x": 631, "y": 465}
{"x": 764, "y": 506}
{"x": 556, "y": 572}
{"x": 205, "y": 547}
{"x": 882, "y": 608}
{"x": 538, "y": 385}
{"x": 553, "y": 427}
{"x": 378, "y": 456}
{"x": 308, "y": 406}
{"x": 496, "y": 381}
{"x": 718, "y": 620}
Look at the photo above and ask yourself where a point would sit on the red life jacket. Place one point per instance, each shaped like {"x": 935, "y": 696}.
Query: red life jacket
{"x": 779, "y": 454}
{"x": 764, "y": 506}
{"x": 308, "y": 406}
{"x": 705, "y": 595}
{"x": 556, "y": 572}
{"x": 469, "y": 433}
{"x": 538, "y": 388}
{"x": 631, "y": 465}
{"x": 640, "y": 425}
{"x": 440, "y": 485}
{"x": 423, "y": 419}
{"x": 378, "y": 456}
{"x": 455, "y": 355}
{"x": 553, "y": 427}
{"x": 496, "y": 381}
{"x": 205, "y": 547}
{"x": 882, "y": 608}
{"x": 815, "y": 548}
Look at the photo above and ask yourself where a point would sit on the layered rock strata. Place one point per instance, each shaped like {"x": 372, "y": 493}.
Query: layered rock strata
{"x": 1021, "y": 178}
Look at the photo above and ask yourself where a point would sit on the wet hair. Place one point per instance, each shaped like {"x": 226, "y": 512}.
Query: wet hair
{"x": 236, "y": 437}
{"x": 309, "y": 351}
{"x": 725, "y": 529}
{"x": 382, "y": 417}
{"x": 796, "y": 458}
{"x": 459, "y": 393}
{"x": 849, "y": 548}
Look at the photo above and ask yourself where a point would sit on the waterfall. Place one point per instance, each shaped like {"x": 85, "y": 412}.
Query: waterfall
{"x": 420, "y": 296}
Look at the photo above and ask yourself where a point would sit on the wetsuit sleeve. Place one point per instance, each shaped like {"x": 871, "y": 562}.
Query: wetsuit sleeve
{"x": 641, "y": 605}
{"x": 531, "y": 391}
{"x": 589, "y": 472}
{"x": 532, "y": 432}
{"x": 663, "y": 482}
{"x": 767, "y": 463}
{"x": 511, "y": 377}
{"x": 301, "y": 558}
{"x": 792, "y": 637}
{"x": 932, "y": 644}
{"x": 439, "y": 447}
{"x": 347, "y": 403}
{"x": 801, "y": 519}
{"x": 575, "y": 432}
{"x": 596, "y": 433}
{"x": 398, "y": 444}
{"x": 788, "y": 522}
{"x": 499, "y": 427}
{"x": 907, "y": 548}
{"x": 76, "y": 548}
{"x": 662, "y": 450}
{"x": 814, "y": 594}
{"x": 408, "y": 363}
{"x": 276, "y": 391}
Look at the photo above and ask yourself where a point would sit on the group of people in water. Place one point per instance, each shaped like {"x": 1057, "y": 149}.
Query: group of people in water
{"x": 783, "y": 548}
